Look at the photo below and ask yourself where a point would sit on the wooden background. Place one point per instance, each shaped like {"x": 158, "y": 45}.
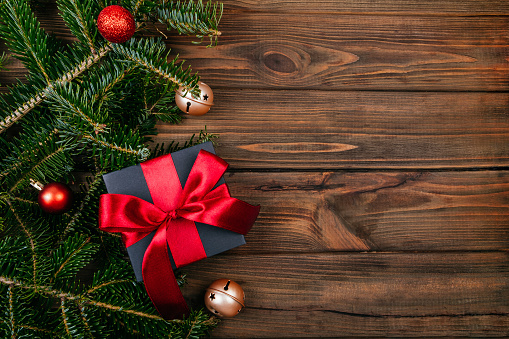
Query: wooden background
{"x": 375, "y": 136}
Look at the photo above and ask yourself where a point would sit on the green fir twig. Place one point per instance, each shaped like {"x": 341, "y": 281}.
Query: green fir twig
{"x": 192, "y": 18}
{"x": 86, "y": 106}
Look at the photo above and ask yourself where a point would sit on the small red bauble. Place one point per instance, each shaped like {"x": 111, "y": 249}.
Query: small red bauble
{"x": 116, "y": 24}
{"x": 55, "y": 198}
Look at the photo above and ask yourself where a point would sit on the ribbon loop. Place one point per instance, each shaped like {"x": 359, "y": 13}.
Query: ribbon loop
{"x": 199, "y": 201}
{"x": 202, "y": 180}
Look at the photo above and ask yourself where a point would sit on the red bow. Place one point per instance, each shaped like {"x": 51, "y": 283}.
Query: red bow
{"x": 172, "y": 216}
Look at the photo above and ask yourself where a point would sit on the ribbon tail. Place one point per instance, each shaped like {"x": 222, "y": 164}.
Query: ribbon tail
{"x": 160, "y": 281}
{"x": 184, "y": 242}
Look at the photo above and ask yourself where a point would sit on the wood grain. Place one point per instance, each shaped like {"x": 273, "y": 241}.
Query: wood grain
{"x": 375, "y": 211}
{"x": 362, "y": 295}
{"x": 407, "y": 7}
{"x": 338, "y": 51}
{"x": 354, "y": 52}
{"x": 341, "y": 130}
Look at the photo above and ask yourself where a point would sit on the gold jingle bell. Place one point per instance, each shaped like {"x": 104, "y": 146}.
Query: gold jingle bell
{"x": 195, "y": 106}
{"x": 224, "y": 298}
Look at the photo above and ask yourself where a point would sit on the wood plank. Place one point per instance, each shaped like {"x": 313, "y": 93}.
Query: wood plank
{"x": 376, "y": 211}
{"x": 354, "y": 52}
{"x": 365, "y": 294}
{"x": 407, "y": 7}
{"x": 364, "y": 130}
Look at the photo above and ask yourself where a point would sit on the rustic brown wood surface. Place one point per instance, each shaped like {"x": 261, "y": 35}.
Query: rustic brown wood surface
{"x": 375, "y": 136}
{"x": 375, "y": 211}
{"x": 299, "y": 129}
{"x": 363, "y": 294}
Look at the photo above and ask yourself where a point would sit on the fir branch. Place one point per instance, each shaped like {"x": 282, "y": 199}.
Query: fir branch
{"x": 64, "y": 316}
{"x": 108, "y": 283}
{"x": 79, "y": 17}
{"x": 85, "y": 321}
{"x": 116, "y": 272}
{"x": 162, "y": 97}
{"x": 102, "y": 238}
{"x": 24, "y": 107}
{"x": 192, "y": 18}
{"x": 137, "y": 6}
{"x": 112, "y": 77}
{"x": 25, "y": 36}
{"x": 56, "y": 153}
{"x": 107, "y": 117}
{"x": 11, "y": 312}
{"x": 39, "y": 289}
{"x": 37, "y": 329}
{"x": 4, "y": 58}
{"x": 70, "y": 257}
{"x": 127, "y": 311}
{"x": 141, "y": 154}
{"x": 86, "y": 64}
{"x": 150, "y": 55}
{"x": 38, "y": 153}
{"x": 24, "y": 200}
{"x": 191, "y": 329}
{"x": 159, "y": 100}
{"x": 195, "y": 326}
{"x": 71, "y": 102}
{"x": 131, "y": 331}
{"x": 24, "y": 156}
{"x": 79, "y": 298}
{"x": 93, "y": 187}
{"x": 30, "y": 239}
{"x": 21, "y": 111}
{"x": 203, "y": 136}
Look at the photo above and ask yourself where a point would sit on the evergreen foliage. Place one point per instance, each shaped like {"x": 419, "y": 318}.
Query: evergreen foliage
{"x": 91, "y": 107}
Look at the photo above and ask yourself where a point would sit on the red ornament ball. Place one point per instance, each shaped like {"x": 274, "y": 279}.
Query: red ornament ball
{"x": 116, "y": 24}
{"x": 55, "y": 198}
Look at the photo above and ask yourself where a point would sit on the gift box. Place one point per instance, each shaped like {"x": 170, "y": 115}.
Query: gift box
{"x": 131, "y": 181}
{"x": 171, "y": 211}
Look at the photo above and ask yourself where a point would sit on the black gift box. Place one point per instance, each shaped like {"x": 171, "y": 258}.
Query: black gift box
{"x": 131, "y": 181}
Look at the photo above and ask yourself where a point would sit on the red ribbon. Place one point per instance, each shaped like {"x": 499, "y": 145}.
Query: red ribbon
{"x": 172, "y": 216}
